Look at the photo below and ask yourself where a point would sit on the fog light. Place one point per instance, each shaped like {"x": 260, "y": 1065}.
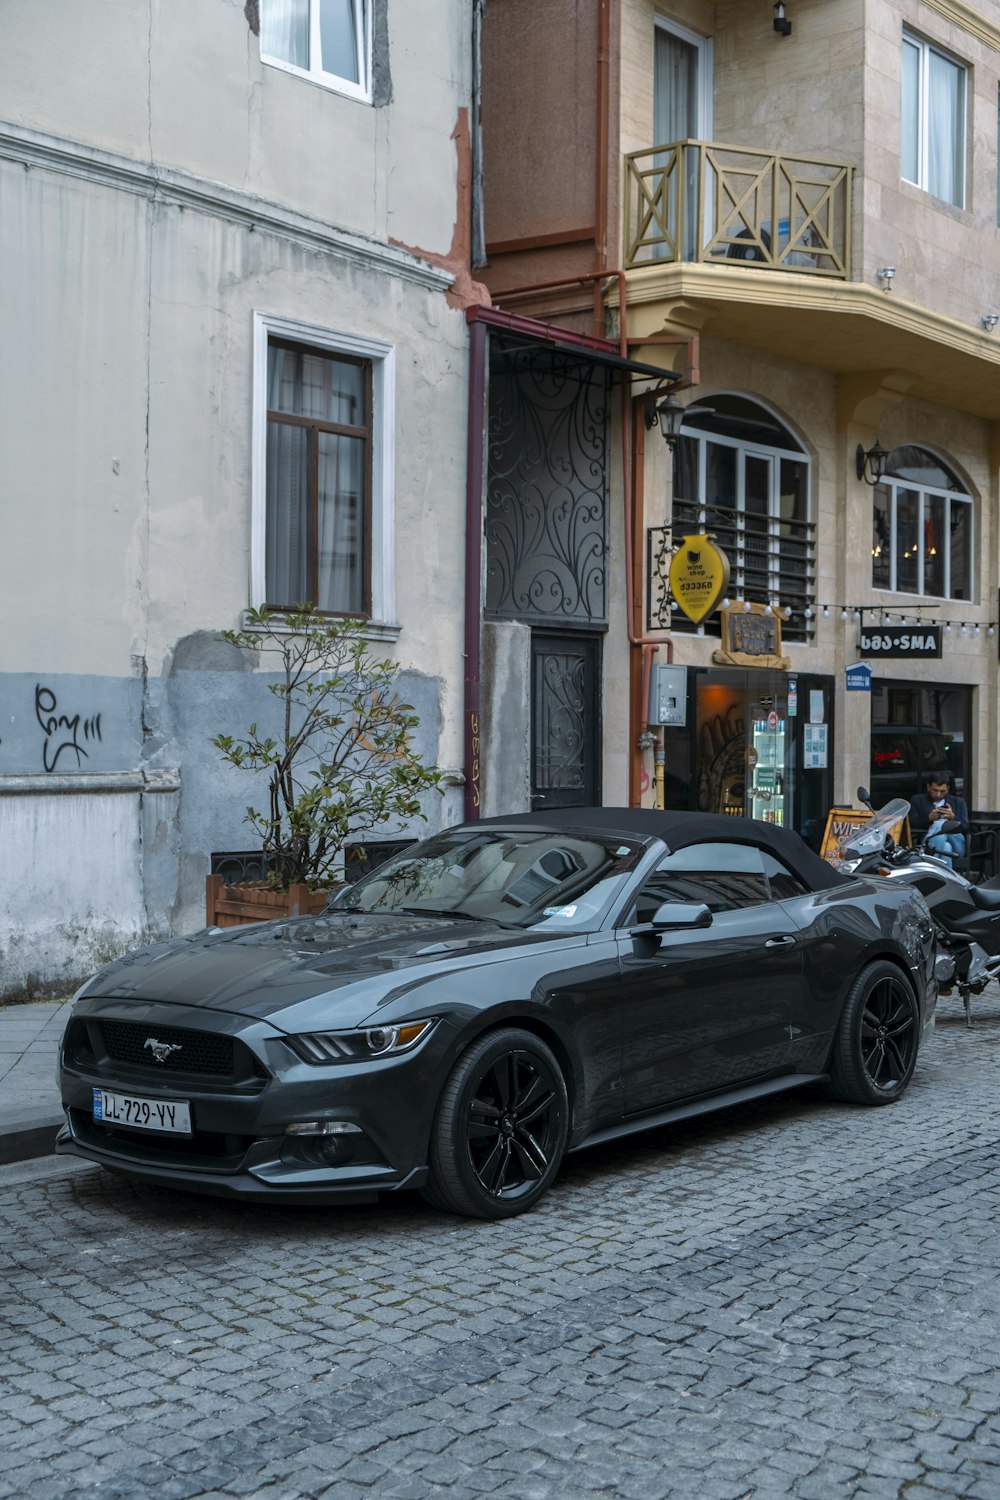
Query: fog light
{"x": 324, "y": 1143}
{"x": 324, "y": 1127}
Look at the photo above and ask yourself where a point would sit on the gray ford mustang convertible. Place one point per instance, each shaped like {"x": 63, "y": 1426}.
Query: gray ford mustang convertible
{"x": 491, "y": 998}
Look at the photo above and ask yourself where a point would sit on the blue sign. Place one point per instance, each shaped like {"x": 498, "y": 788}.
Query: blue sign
{"x": 859, "y": 677}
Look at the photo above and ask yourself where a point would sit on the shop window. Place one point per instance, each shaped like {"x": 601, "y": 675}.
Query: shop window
{"x": 740, "y": 474}
{"x": 922, "y": 528}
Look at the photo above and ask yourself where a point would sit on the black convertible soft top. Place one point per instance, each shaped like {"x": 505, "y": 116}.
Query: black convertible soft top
{"x": 679, "y": 829}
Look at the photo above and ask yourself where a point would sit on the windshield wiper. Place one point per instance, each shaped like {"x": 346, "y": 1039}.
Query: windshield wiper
{"x": 445, "y": 911}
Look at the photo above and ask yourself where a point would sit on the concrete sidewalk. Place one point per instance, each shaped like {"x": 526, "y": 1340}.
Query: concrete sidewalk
{"x": 30, "y": 1112}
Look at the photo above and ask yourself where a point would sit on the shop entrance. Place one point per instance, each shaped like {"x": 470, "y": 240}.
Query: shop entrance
{"x": 757, "y": 746}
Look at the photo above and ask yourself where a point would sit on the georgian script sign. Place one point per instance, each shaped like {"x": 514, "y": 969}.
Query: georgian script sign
{"x": 750, "y": 638}
{"x": 900, "y": 640}
{"x": 699, "y": 576}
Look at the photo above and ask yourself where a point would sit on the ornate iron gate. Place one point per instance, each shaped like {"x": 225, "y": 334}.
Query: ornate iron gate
{"x": 565, "y": 756}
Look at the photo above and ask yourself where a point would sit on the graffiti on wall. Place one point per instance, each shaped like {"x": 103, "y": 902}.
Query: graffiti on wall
{"x": 62, "y": 733}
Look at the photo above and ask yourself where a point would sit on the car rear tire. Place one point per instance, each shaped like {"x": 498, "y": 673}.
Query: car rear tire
{"x": 875, "y": 1049}
{"x": 501, "y": 1127}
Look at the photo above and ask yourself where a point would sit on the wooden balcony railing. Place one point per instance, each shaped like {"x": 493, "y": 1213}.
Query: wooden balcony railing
{"x": 700, "y": 201}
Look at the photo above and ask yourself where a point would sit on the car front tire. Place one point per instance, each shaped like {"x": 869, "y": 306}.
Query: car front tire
{"x": 501, "y": 1127}
{"x": 875, "y": 1048}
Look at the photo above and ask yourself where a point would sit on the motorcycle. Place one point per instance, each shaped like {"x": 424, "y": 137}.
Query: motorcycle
{"x": 966, "y": 917}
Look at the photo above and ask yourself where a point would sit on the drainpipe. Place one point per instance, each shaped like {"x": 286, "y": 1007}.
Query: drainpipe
{"x": 475, "y": 456}
{"x": 600, "y": 166}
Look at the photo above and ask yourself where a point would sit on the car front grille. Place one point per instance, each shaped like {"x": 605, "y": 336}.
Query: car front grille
{"x": 130, "y": 1044}
{"x": 195, "y": 1051}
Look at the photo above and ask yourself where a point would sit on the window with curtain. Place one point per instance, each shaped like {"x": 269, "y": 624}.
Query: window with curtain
{"x": 922, "y": 528}
{"x": 327, "y": 40}
{"x": 933, "y": 120}
{"x": 318, "y": 480}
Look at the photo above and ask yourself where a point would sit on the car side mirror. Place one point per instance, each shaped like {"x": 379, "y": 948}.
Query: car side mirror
{"x": 675, "y": 916}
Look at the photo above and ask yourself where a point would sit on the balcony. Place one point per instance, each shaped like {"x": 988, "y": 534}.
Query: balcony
{"x": 703, "y": 202}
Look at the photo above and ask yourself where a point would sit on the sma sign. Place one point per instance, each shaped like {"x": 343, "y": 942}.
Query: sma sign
{"x": 699, "y": 576}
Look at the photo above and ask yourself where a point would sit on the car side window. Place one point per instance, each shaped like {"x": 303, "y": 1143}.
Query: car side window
{"x": 784, "y": 885}
{"x": 720, "y": 876}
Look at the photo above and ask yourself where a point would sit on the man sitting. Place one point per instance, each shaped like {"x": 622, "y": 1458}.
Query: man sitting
{"x": 934, "y": 807}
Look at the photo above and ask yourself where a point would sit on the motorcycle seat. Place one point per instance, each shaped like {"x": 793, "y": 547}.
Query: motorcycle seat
{"x": 986, "y": 899}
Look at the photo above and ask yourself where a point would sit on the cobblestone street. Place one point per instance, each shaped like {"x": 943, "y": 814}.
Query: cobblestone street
{"x": 794, "y": 1299}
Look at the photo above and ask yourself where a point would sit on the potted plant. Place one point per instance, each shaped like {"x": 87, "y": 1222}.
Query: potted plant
{"x": 339, "y": 763}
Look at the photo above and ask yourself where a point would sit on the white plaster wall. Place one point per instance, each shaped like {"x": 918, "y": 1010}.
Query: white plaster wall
{"x": 181, "y": 83}
{"x": 76, "y": 902}
{"x": 160, "y": 187}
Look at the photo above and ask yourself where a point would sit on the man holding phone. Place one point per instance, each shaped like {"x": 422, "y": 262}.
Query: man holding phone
{"x": 929, "y": 810}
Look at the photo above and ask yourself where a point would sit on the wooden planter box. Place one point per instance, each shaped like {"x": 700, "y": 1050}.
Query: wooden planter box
{"x": 238, "y": 905}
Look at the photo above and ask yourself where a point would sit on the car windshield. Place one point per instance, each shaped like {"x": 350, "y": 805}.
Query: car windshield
{"x": 560, "y": 881}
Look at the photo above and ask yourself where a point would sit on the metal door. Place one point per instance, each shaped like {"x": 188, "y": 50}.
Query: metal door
{"x": 565, "y": 672}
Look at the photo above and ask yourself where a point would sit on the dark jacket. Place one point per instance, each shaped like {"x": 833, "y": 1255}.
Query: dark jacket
{"x": 923, "y": 812}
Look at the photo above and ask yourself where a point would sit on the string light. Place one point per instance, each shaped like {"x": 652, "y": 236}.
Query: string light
{"x": 964, "y": 630}
{"x": 826, "y": 611}
{"x": 991, "y": 632}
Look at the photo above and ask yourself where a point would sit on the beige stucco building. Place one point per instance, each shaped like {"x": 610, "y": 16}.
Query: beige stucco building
{"x": 796, "y": 210}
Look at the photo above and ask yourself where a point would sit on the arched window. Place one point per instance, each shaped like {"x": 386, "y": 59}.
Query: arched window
{"x": 922, "y": 528}
{"x": 741, "y": 475}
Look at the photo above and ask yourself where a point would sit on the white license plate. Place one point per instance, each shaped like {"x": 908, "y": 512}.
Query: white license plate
{"x": 172, "y": 1115}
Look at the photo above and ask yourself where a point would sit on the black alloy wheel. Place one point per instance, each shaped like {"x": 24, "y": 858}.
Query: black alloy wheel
{"x": 875, "y": 1049}
{"x": 501, "y": 1127}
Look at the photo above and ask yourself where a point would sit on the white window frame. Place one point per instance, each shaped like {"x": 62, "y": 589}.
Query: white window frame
{"x": 382, "y": 357}
{"x": 708, "y": 515}
{"x": 925, "y": 50}
{"x": 363, "y": 43}
{"x": 925, "y": 492}
{"x": 706, "y": 76}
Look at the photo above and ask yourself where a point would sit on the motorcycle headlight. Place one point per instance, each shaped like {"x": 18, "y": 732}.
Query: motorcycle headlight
{"x": 354, "y": 1046}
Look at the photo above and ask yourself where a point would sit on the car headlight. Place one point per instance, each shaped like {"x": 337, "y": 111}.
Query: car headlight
{"x": 353, "y": 1046}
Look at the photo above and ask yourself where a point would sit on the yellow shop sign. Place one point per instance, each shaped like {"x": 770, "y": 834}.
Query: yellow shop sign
{"x": 699, "y": 576}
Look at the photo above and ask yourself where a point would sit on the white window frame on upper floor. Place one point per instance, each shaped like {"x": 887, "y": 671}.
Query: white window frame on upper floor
{"x": 926, "y": 51}
{"x": 382, "y": 358}
{"x": 703, "y": 46}
{"x": 362, "y": 16}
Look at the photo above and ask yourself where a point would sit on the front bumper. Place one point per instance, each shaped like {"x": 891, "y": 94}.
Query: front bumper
{"x": 239, "y": 1144}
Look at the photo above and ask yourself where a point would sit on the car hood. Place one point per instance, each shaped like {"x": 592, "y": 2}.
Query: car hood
{"x": 267, "y": 970}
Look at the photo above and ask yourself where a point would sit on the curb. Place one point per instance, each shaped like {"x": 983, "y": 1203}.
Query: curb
{"x": 27, "y": 1135}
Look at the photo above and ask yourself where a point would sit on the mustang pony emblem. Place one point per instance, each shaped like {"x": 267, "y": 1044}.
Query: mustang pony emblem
{"x": 160, "y": 1050}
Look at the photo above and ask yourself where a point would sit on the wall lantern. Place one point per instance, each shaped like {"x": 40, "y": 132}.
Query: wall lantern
{"x": 870, "y": 466}
{"x": 781, "y": 26}
{"x": 668, "y": 415}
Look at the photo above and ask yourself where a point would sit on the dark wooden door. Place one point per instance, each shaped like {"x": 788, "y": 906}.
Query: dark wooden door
{"x": 565, "y": 720}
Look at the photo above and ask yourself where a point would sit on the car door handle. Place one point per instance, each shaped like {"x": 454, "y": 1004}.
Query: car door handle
{"x": 782, "y": 942}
